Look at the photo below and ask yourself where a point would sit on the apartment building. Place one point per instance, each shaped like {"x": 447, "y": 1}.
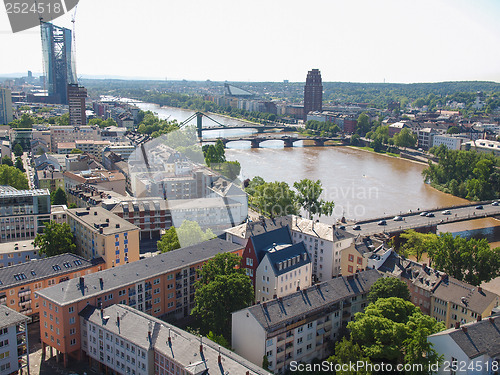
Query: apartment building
{"x": 439, "y": 295}
{"x": 282, "y": 270}
{"x": 151, "y": 215}
{"x": 455, "y": 302}
{"x": 102, "y": 234}
{"x": 22, "y": 213}
{"x": 323, "y": 242}
{"x": 94, "y": 148}
{"x": 357, "y": 257}
{"x": 50, "y": 180}
{"x": 425, "y": 138}
{"x": 451, "y": 142}
{"x": 85, "y": 195}
{"x": 123, "y": 340}
{"x": 17, "y": 252}
{"x": 14, "y": 348}
{"x": 302, "y": 325}
{"x": 18, "y": 283}
{"x": 159, "y": 286}
{"x": 66, "y": 134}
{"x": 483, "y": 146}
{"x": 103, "y": 179}
{"x": 472, "y": 348}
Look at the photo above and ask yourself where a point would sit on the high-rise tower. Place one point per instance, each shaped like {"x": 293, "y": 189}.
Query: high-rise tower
{"x": 76, "y": 101}
{"x": 5, "y": 106}
{"x": 313, "y": 92}
{"x": 58, "y": 61}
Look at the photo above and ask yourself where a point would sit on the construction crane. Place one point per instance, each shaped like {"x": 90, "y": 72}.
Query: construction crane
{"x": 73, "y": 49}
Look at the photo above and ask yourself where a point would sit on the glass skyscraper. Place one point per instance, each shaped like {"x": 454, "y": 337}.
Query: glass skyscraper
{"x": 58, "y": 60}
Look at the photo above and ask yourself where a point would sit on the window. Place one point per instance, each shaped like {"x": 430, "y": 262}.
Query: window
{"x": 269, "y": 342}
{"x": 351, "y": 258}
{"x": 299, "y": 340}
{"x": 249, "y": 262}
{"x": 309, "y": 346}
{"x": 71, "y": 310}
{"x": 350, "y": 269}
{"x": 72, "y": 320}
{"x": 310, "y": 325}
{"x": 156, "y": 281}
{"x": 299, "y": 351}
{"x": 360, "y": 260}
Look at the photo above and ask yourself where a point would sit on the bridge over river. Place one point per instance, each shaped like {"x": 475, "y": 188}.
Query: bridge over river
{"x": 416, "y": 220}
{"x": 288, "y": 141}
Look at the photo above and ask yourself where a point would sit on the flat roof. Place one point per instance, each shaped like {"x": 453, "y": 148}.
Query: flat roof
{"x": 17, "y": 246}
{"x": 129, "y": 273}
{"x": 9, "y": 317}
{"x": 97, "y": 217}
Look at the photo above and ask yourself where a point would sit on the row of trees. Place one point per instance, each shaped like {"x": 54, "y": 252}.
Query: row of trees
{"x": 472, "y": 261}
{"x": 152, "y": 125}
{"x": 187, "y": 234}
{"x": 278, "y": 199}
{"x": 215, "y": 158}
{"x": 466, "y": 174}
{"x": 321, "y": 128}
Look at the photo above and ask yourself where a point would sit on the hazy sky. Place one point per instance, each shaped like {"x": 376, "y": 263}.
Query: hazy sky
{"x": 272, "y": 40}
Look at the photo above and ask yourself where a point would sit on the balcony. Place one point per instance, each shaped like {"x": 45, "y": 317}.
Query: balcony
{"x": 281, "y": 338}
{"x": 289, "y": 345}
{"x": 280, "y": 349}
{"x": 24, "y": 303}
{"x": 131, "y": 302}
{"x": 24, "y": 293}
{"x": 131, "y": 292}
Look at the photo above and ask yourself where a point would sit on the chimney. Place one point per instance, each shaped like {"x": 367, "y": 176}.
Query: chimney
{"x": 219, "y": 358}
{"x": 117, "y": 319}
{"x": 480, "y": 290}
{"x": 492, "y": 321}
{"x": 298, "y": 288}
{"x": 457, "y": 325}
{"x": 118, "y": 225}
{"x": 201, "y": 344}
{"x": 169, "y": 338}
{"x": 479, "y": 318}
{"x": 82, "y": 282}
{"x": 464, "y": 329}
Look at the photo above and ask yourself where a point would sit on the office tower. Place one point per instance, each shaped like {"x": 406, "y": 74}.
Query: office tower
{"x": 76, "y": 101}
{"x": 313, "y": 92}
{"x": 59, "y": 64}
{"x": 5, "y": 106}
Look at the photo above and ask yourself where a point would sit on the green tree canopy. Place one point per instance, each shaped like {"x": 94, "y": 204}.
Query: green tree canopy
{"x": 19, "y": 164}
{"x": 363, "y": 124}
{"x": 189, "y": 233}
{"x": 386, "y": 287}
{"x": 405, "y": 138}
{"x": 222, "y": 289}
{"x": 13, "y": 177}
{"x": 55, "y": 239}
{"x": 273, "y": 198}
{"x": 58, "y": 197}
{"x": 394, "y": 330}
{"x": 308, "y": 197}
{"x": 6, "y": 160}
{"x": 18, "y": 150}
{"x": 346, "y": 351}
{"x": 471, "y": 260}
{"x": 417, "y": 243}
{"x": 76, "y": 151}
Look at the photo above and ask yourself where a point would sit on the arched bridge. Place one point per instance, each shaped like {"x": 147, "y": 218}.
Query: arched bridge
{"x": 288, "y": 141}
{"x": 199, "y": 125}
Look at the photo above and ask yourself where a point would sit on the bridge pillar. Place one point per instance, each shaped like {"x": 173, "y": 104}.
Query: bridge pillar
{"x": 260, "y": 129}
{"x": 319, "y": 142}
{"x": 254, "y": 143}
{"x": 199, "y": 124}
{"x": 288, "y": 142}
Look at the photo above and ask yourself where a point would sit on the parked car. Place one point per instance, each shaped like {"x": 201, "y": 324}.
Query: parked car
{"x": 446, "y": 212}
{"x": 479, "y": 207}
{"x": 356, "y": 227}
{"x": 342, "y": 227}
{"x": 382, "y": 222}
{"x": 430, "y": 214}
{"x": 424, "y": 213}
{"x": 494, "y": 204}
{"x": 397, "y": 218}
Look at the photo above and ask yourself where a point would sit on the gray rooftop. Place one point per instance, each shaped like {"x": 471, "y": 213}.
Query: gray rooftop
{"x": 277, "y": 312}
{"x": 97, "y": 217}
{"x": 38, "y": 269}
{"x": 184, "y": 347}
{"x": 129, "y": 273}
{"x": 478, "y": 338}
{"x": 17, "y": 246}
{"x": 9, "y": 317}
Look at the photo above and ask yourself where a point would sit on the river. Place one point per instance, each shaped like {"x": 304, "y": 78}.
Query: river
{"x": 362, "y": 184}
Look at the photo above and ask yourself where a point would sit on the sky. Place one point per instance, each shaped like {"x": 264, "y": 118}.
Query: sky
{"x": 402, "y": 41}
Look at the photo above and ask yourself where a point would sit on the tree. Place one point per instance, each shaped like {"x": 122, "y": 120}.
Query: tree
{"x": 13, "y": 177}
{"x": 308, "y": 197}
{"x": 19, "y": 164}
{"x": 76, "y": 151}
{"x": 471, "y": 260}
{"x": 386, "y": 287}
{"x": 274, "y": 199}
{"x": 169, "y": 241}
{"x": 230, "y": 169}
{"x": 417, "y": 244}
{"x": 6, "y": 160}
{"x": 58, "y": 197}
{"x": 219, "y": 339}
{"x": 355, "y": 140}
{"x": 405, "y": 138}
{"x": 72, "y": 205}
{"x": 222, "y": 289}
{"x": 394, "y": 330}
{"x": 346, "y": 351}
{"x": 363, "y": 124}
{"x": 18, "y": 150}
{"x": 55, "y": 239}
{"x": 189, "y": 233}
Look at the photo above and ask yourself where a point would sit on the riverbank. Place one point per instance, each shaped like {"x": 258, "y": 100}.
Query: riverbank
{"x": 386, "y": 154}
